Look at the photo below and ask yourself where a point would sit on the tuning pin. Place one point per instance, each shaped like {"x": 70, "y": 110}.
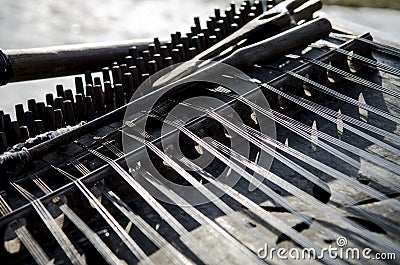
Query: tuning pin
{"x": 8, "y": 128}
{"x": 270, "y": 4}
{"x": 197, "y": 23}
{"x": 176, "y": 38}
{"x": 34, "y": 131}
{"x": 1, "y": 120}
{"x": 168, "y": 61}
{"x": 133, "y": 52}
{"x": 151, "y": 67}
{"x": 152, "y": 49}
{"x": 227, "y": 25}
{"x": 128, "y": 87}
{"x": 233, "y": 6}
{"x": 49, "y": 118}
{"x": 24, "y": 132}
{"x": 251, "y": 16}
{"x": 217, "y": 13}
{"x": 50, "y": 99}
{"x": 106, "y": 74}
{"x": 202, "y": 41}
{"x": 176, "y": 55}
{"x": 129, "y": 62}
{"x": 234, "y": 27}
{"x": 38, "y": 127}
{"x": 28, "y": 118}
{"x": 196, "y": 43}
{"x": 16, "y": 132}
{"x": 59, "y": 104}
{"x": 207, "y": 34}
{"x": 259, "y": 6}
{"x": 58, "y": 117}
{"x": 213, "y": 40}
{"x": 90, "y": 113}
{"x": 97, "y": 81}
{"x": 89, "y": 90}
{"x": 60, "y": 90}
{"x": 124, "y": 69}
{"x": 3, "y": 142}
{"x": 78, "y": 86}
{"x": 246, "y": 6}
{"x": 32, "y": 107}
{"x": 40, "y": 110}
{"x": 69, "y": 113}
{"x": 218, "y": 34}
{"x": 222, "y": 27}
{"x": 229, "y": 13}
{"x": 69, "y": 95}
{"x": 116, "y": 74}
{"x": 158, "y": 59}
{"x": 194, "y": 30}
{"x": 19, "y": 113}
{"x": 164, "y": 51}
{"x": 210, "y": 24}
{"x": 141, "y": 65}
{"x": 186, "y": 43}
{"x": 135, "y": 75}
{"x": 6, "y": 122}
{"x": 98, "y": 99}
{"x": 192, "y": 52}
{"x": 146, "y": 56}
{"x": 238, "y": 20}
{"x": 243, "y": 13}
{"x": 169, "y": 45}
{"x": 109, "y": 94}
{"x": 119, "y": 95}
{"x": 80, "y": 108}
{"x": 182, "y": 54}
{"x": 88, "y": 78}
{"x": 145, "y": 76}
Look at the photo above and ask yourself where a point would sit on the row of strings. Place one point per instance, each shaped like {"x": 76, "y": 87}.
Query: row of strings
{"x": 315, "y": 137}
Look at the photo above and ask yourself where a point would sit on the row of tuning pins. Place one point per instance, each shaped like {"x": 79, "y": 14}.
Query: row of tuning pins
{"x": 57, "y": 111}
{"x": 121, "y": 80}
{"x": 126, "y": 77}
{"x": 94, "y": 97}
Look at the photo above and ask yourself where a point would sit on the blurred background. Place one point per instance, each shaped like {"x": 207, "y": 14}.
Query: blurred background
{"x": 28, "y": 24}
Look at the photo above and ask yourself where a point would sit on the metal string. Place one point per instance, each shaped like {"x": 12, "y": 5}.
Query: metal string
{"x": 301, "y": 130}
{"x": 202, "y": 189}
{"x": 378, "y": 46}
{"x": 168, "y": 217}
{"x": 165, "y": 247}
{"x": 4, "y": 207}
{"x": 31, "y": 245}
{"x": 108, "y": 217}
{"x": 149, "y": 232}
{"x": 94, "y": 238}
{"x": 25, "y": 236}
{"x": 196, "y": 214}
{"x": 367, "y": 61}
{"x": 342, "y": 97}
{"x": 324, "y": 112}
{"x": 381, "y": 241}
{"x": 351, "y": 77}
{"x": 51, "y": 224}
